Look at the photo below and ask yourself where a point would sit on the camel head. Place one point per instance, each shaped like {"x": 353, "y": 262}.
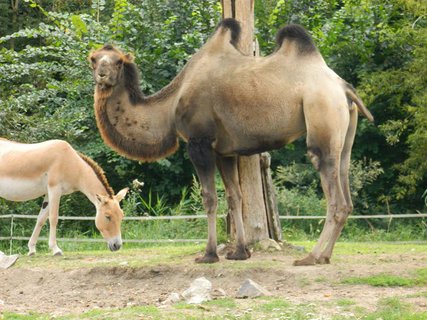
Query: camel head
{"x": 107, "y": 65}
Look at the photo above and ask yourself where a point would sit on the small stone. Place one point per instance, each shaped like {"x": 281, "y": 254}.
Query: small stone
{"x": 250, "y": 289}
{"x": 198, "y": 292}
{"x": 221, "y": 249}
{"x": 269, "y": 245}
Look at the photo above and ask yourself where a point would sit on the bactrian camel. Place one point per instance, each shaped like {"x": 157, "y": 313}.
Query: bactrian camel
{"x": 52, "y": 169}
{"x": 225, "y": 104}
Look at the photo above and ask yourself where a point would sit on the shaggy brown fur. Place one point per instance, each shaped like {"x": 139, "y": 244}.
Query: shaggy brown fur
{"x": 226, "y": 104}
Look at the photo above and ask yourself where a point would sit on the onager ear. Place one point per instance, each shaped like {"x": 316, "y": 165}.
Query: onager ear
{"x": 101, "y": 199}
{"x": 121, "y": 194}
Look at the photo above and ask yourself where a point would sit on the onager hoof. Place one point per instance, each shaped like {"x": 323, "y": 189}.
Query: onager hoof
{"x": 239, "y": 254}
{"x": 207, "y": 258}
{"x": 310, "y": 260}
{"x": 58, "y": 253}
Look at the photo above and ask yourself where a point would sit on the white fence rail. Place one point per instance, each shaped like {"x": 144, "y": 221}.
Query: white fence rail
{"x": 12, "y": 217}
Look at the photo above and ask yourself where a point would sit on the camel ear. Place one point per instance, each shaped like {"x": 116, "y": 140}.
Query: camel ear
{"x": 128, "y": 58}
{"x": 121, "y": 194}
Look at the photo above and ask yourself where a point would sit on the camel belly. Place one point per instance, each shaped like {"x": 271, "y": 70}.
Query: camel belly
{"x": 22, "y": 189}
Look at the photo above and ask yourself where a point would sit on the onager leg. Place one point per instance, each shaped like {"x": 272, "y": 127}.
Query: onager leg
{"x": 41, "y": 219}
{"x": 203, "y": 159}
{"x": 325, "y": 141}
{"x": 228, "y": 168}
{"x": 54, "y": 197}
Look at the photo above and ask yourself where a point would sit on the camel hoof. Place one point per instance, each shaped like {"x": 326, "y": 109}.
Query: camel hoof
{"x": 207, "y": 258}
{"x": 31, "y": 253}
{"x": 58, "y": 254}
{"x": 323, "y": 260}
{"x": 239, "y": 255}
{"x": 307, "y": 261}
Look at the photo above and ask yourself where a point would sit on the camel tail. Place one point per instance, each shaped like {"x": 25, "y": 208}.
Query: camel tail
{"x": 353, "y": 97}
{"x": 234, "y": 26}
{"x": 296, "y": 33}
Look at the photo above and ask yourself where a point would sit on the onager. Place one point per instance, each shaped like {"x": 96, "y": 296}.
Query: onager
{"x": 52, "y": 169}
{"x": 225, "y": 104}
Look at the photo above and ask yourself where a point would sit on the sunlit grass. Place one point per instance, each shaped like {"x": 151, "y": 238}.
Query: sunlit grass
{"x": 389, "y": 280}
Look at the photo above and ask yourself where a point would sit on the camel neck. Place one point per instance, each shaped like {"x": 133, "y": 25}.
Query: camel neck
{"x": 141, "y": 129}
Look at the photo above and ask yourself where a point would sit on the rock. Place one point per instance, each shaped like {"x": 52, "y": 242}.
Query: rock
{"x": 251, "y": 289}
{"x": 221, "y": 249}
{"x": 199, "y": 291}
{"x": 173, "y": 298}
{"x": 269, "y": 245}
{"x": 7, "y": 261}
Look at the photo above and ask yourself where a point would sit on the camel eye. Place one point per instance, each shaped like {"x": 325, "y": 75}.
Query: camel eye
{"x": 119, "y": 63}
{"x": 93, "y": 60}
{"x": 108, "y": 218}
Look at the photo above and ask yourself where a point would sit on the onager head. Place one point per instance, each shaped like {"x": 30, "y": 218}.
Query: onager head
{"x": 109, "y": 217}
{"x": 107, "y": 64}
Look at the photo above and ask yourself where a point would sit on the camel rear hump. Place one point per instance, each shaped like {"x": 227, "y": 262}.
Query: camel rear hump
{"x": 296, "y": 36}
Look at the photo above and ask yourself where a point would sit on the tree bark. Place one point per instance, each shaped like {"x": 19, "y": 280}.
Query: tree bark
{"x": 254, "y": 208}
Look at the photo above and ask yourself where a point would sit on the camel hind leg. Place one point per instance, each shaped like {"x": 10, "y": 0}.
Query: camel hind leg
{"x": 228, "y": 169}
{"x": 344, "y": 173}
{"x": 325, "y": 140}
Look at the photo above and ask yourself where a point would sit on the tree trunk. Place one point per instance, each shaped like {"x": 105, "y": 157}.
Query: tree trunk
{"x": 254, "y": 208}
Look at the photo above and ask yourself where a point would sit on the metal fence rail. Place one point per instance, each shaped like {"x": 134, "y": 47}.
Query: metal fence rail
{"x": 12, "y": 217}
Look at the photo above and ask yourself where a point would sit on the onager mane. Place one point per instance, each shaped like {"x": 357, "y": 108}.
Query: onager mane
{"x": 100, "y": 174}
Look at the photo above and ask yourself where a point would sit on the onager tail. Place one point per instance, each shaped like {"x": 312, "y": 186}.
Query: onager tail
{"x": 353, "y": 97}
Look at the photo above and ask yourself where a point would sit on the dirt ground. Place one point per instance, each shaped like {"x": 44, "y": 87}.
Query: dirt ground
{"x": 60, "y": 291}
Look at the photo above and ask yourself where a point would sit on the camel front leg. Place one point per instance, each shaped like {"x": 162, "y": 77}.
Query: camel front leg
{"x": 203, "y": 158}
{"x": 229, "y": 173}
{"x": 54, "y": 197}
{"x": 41, "y": 220}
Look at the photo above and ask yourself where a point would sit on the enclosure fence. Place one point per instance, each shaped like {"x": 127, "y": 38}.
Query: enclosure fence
{"x": 11, "y": 237}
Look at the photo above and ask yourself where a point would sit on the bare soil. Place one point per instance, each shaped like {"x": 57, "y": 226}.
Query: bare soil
{"x": 60, "y": 291}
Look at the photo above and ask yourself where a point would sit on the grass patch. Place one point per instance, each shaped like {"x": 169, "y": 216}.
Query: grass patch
{"x": 104, "y": 258}
{"x": 275, "y": 305}
{"x": 256, "y": 309}
{"x": 388, "y": 280}
{"x": 375, "y": 248}
{"x": 345, "y": 302}
{"x": 394, "y": 309}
